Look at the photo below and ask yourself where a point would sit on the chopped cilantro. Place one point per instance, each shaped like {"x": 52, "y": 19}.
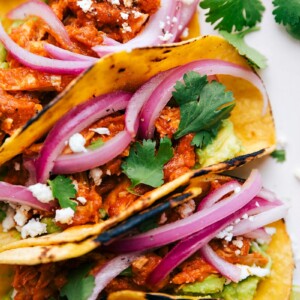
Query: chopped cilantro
{"x": 103, "y": 214}
{"x": 80, "y": 285}
{"x": 233, "y": 14}
{"x": 237, "y": 40}
{"x": 63, "y": 190}
{"x": 204, "y": 138}
{"x": 127, "y": 272}
{"x": 96, "y": 144}
{"x": 144, "y": 166}
{"x": 279, "y": 155}
{"x": 288, "y": 14}
{"x": 203, "y": 106}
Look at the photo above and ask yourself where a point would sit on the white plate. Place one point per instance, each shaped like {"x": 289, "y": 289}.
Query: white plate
{"x": 282, "y": 80}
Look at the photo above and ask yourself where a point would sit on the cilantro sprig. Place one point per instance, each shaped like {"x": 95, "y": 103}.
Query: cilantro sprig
{"x": 287, "y": 12}
{"x": 279, "y": 155}
{"x": 234, "y": 19}
{"x": 233, "y": 15}
{"x": 145, "y": 165}
{"x": 80, "y": 285}
{"x": 63, "y": 190}
{"x": 203, "y": 106}
{"x": 237, "y": 40}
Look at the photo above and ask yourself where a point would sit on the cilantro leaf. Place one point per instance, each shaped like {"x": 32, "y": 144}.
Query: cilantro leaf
{"x": 202, "y": 104}
{"x": 237, "y": 40}
{"x": 143, "y": 166}
{"x": 205, "y": 137}
{"x": 63, "y": 190}
{"x": 233, "y": 14}
{"x": 288, "y": 14}
{"x": 79, "y": 286}
{"x": 279, "y": 155}
{"x": 96, "y": 144}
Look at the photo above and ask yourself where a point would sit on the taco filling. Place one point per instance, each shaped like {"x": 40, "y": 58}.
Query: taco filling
{"x": 107, "y": 152}
{"x": 214, "y": 245}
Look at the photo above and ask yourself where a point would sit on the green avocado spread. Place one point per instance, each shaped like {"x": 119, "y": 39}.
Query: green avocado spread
{"x": 225, "y": 146}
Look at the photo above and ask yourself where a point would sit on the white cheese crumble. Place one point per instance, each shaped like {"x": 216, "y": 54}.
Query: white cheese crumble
{"x": 33, "y": 228}
{"x": 270, "y": 230}
{"x": 77, "y": 142}
{"x": 75, "y": 183}
{"x": 226, "y": 234}
{"x": 127, "y": 3}
{"x": 8, "y": 222}
{"x": 247, "y": 271}
{"x": 21, "y": 215}
{"x": 116, "y": 2}
{"x": 124, "y": 16}
{"x": 185, "y": 33}
{"x": 17, "y": 166}
{"x": 162, "y": 24}
{"x": 42, "y": 192}
{"x": 101, "y": 130}
{"x": 166, "y": 37}
{"x": 64, "y": 215}
{"x": 188, "y": 2}
{"x": 126, "y": 27}
{"x": 238, "y": 243}
{"x": 82, "y": 200}
{"x": 85, "y": 5}
{"x": 136, "y": 14}
{"x": 96, "y": 175}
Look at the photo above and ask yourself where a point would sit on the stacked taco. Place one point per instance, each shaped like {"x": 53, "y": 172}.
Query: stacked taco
{"x": 139, "y": 126}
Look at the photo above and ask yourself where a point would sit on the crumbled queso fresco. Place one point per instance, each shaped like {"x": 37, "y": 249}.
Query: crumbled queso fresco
{"x": 64, "y": 215}
{"x": 85, "y": 5}
{"x": 77, "y": 142}
{"x": 33, "y": 228}
{"x": 42, "y": 192}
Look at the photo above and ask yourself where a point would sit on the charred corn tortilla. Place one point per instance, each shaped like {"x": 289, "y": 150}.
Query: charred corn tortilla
{"x": 128, "y": 71}
{"x": 276, "y": 286}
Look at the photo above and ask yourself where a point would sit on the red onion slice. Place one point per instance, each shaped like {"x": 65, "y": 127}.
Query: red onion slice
{"x": 62, "y": 54}
{"x": 138, "y": 100}
{"x": 188, "y": 10}
{"x": 111, "y": 270}
{"x": 40, "y": 63}
{"x": 43, "y": 11}
{"x": 259, "y": 234}
{"x": 260, "y": 220}
{"x": 202, "y": 219}
{"x": 73, "y": 163}
{"x": 154, "y": 33}
{"x": 163, "y": 93}
{"x": 20, "y": 195}
{"x": 193, "y": 243}
{"x": 74, "y": 121}
{"x": 218, "y": 194}
{"x": 225, "y": 268}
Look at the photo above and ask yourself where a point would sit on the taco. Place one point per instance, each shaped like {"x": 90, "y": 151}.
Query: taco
{"x": 219, "y": 245}
{"x": 234, "y": 125}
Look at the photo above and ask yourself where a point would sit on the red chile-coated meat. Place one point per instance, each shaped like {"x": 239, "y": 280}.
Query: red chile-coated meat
{"x": 183, "y": 160}
{"x": 38, "y": 282}
{"x": 16, "y": 110}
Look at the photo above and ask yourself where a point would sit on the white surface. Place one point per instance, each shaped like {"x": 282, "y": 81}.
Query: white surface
{"x": 282, "y": 80}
